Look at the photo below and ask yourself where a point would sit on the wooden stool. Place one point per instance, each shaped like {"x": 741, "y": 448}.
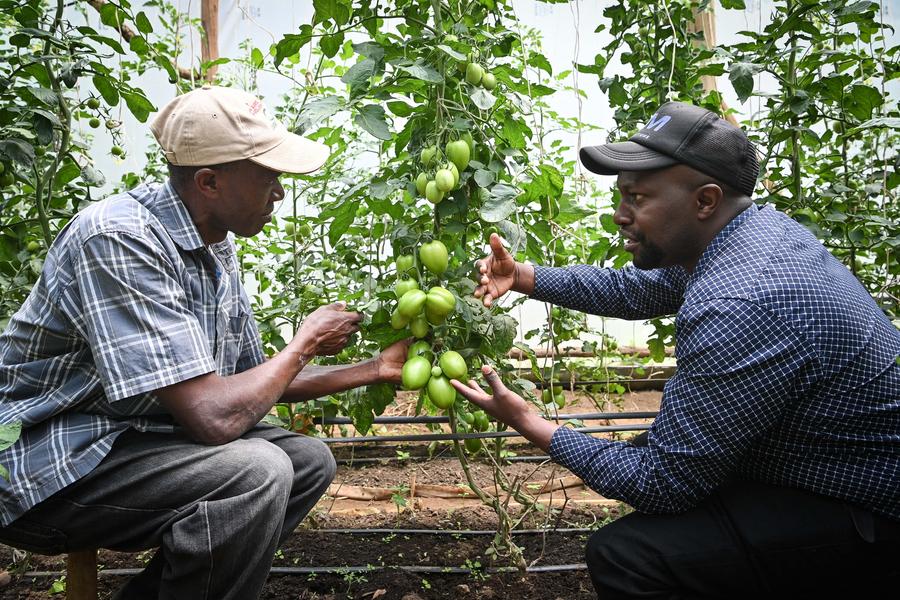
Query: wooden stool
{"x": 81, "y": 575}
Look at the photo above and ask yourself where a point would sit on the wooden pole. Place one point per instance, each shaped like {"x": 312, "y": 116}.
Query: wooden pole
{"x": 81, "y": 575}
{"x": 209, "y": 49}
{"x": 705, "y": 23}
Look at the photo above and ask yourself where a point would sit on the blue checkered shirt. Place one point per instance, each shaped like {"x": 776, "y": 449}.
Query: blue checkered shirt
{"x": 129, "y": 300}
{"x": 787, "y": 374}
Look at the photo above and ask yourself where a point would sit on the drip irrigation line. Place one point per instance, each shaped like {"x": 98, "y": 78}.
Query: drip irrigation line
{"x": 401, "y": 420}
{"x": 375, "y": 460}
{"x": 433, "y": 437}
{"x": 447, "y": 532}
{"x": 354, "y": 569}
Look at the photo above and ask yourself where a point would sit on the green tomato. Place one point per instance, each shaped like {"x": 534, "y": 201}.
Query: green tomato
{"x": 419, "y": 326}
{"x": 436, "y": 371}
{"x": 444, "y": 180}
{"x": 117, "y": 151}
{"x": 94, "y": 123}
{"x": 441, "y": 391}
{"x": 547, "y": 395}
{"x": 440, "y": 301}
{"x": 473, "y": 445}
{"x": 469, "y": 418}
{"x": 421, "y": 182}
{"x": 467, "y": 138}
{"x": 482, "y": 423}
{"x": 406, "y": 264}
{"x": 453, "y": 365}
{"x": 2, "y": 168}
{"x": 433, "y": 192}
{"x": 33, "y": 246}
{"x": 433, "y": 317}
{"x": 474, "y": 73}
{"x": 7, "y": 179}
{"x": 559, "y": 400}
{"x": 459, "y": 154}
{"x": 289, "y": 228}
{"x": 111, "y": 124}
{"x": 434, "y": 256}
{"x": 398, "y": 321}
{"x": 421, "y": 348}
{"x": 429, "y": 155}
{"x": 415, "y": 373}
{"x": 488, "y": 81}
{"x": 405, "y": 285}
{"x": 93, "y": 103}
{"x": 411, "y": 303}
{"x": 452, "y": 168}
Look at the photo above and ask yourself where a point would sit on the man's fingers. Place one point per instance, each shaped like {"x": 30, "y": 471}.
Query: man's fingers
{"x": 487, "y": 300}
{"x": 490, "y": 375}
{"x": 471, "y": 392}
{"x": 497, "y": 247}
{"x": 339, "y": 305}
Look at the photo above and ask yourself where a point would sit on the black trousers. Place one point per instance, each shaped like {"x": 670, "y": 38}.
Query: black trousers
{"x": 749, "y": 540}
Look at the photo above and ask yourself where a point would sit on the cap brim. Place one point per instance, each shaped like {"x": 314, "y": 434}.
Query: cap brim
{"x": 610, "y": 159}
{"x": 295, "y": 154}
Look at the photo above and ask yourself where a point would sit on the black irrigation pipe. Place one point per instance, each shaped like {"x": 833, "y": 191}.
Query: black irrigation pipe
{"x": 367, "y": 569}
{"x": 432, "y": 437}
{"x": 371, "y": 460}
{"x": 401, "y": 420}
{"x": 447, "y": 532}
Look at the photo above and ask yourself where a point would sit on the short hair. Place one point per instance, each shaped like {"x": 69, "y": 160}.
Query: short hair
{"x": 182, "y": 175}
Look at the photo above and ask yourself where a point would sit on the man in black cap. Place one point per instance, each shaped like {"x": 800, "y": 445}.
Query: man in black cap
{"x": 772, "y": 468}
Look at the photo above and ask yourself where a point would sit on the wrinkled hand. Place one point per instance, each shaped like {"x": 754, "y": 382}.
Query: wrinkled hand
{"x": 390, "y": 361}
{"x": 329, "y": 328}
{"x": 504, "y": 405}
{"x": 497, "y": 272}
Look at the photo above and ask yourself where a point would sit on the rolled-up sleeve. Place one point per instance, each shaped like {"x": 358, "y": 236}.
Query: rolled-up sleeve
{"x": 136, "y": 317}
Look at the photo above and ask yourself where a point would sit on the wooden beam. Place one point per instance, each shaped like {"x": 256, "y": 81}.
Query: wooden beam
{"x": 705, "y": 23}
{"x": 209, "y": 49}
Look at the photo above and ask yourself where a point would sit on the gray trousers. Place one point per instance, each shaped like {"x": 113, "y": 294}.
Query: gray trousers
{"x": 216, "y": 513}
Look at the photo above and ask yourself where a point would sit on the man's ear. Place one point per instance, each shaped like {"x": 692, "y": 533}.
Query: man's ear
{"x": 709, "y": 198}
{"x": 206, "y": 182}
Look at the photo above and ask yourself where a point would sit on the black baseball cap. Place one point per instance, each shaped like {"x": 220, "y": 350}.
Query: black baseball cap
{"x": 681, "y": 133}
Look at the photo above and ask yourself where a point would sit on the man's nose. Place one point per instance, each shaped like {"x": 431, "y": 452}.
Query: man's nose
{"x": 622, "y": 216}
{"x": 278, "y": 191}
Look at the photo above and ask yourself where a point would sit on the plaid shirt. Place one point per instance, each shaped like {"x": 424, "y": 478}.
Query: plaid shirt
{"x": 787, "y": 374}
{"x": 129, "y": 300}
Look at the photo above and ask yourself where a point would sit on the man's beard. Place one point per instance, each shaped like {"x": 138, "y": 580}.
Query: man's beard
{"x": 648, "y": 255}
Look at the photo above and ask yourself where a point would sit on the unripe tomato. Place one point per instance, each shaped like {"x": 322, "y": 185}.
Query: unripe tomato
{"x": 434, "y": 317}
{"x": 421, "y": 348}
{"x": 433, "y": 192}
{"x": 559, "y": 399}
{"x": 434, "y": 256}
{"x": 436, "y": 371}
{"x": 93, "y": 103}
{"x": 441, "y": 391}
{"x": 415, "y": 373}
{"x": 421, "y": 182}
{"x": 117, "y": 151}
{"x": 7, "y": 179}
{"x": 453, "y": 365}
{"x": 473, "y": 445}
{"x": 474, "y": 73}
{"x": 411, "y": 303}
{"x": 440, "y": 300}
{"x": 111, "y": 124}
{"x": 94, "y": 123}
{"x": 398, "y": 321}
{"x": 428, "y": 155}
{"x": 33, "y": 246}
{"x": 467, "y": 138}
{"x": 290, "y": 229}
{"x": 482, "y": 423}
{"x": 419, "y": 326}
{"x": 469, "y": 418}
{"x": 444, "y": 180}
{"x": 405, "y": 285}
{"x": 452, "y": 168}
{"x": 406, "y": 264}
{"x": 488, "y": 81}
{"x": 459, "y": 154}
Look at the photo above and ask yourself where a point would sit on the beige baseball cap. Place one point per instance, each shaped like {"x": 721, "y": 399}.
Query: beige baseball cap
{"x": 214, "y": 125}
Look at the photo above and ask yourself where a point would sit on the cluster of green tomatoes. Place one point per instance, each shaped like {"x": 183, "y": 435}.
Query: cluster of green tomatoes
{"x": 478, "y": 75}
{"x": 440, "y": 177}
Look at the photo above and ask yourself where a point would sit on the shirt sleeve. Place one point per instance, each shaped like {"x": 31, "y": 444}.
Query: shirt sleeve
{"x": 251, "y": 342}
{"x": 135, "y": 316}
{"x": 740, "y": 366}
{"x": 628, "y": 293}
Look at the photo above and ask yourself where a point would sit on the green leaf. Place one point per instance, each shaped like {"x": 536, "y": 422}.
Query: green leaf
{"x": 484, "y": 178}
{"x": 359, "y": 73}
{"x": 256, "y": 58}
{"x": 451, "y": 52}
{"x": 44, "y": 95}
{"x": 138, "y": 104}
{"x": 504, "y": 333}
{"x": 18, "y": 150}
{"x": 143, "y": 23}
{"x": 513, "y": 234}
{"x": 733, "y": 4}
{"x": 879, "y": 123}
{"x": 92, "y": 176}
{"x": 741, "y": 76}
{"x": 343, "y": 218}
{"x": 331, "y": 9}
{"x": 423, "y": 72}
{"x": 318, "y": 110}
{"x": 291, "y": 43}
{"x": 372, "y": 118}
{"x": 107, "y": 89}
{"x": 862, "y": 100}
{"x": 331, "y": 44}
{"x": 540, "y": 61}
{"x": 399, "y": 108}
{"x": 4, "y": 473}
{"x": 9, "y": 434}
{"x": 500, "y": 204}
{"x": 483, "y": 99}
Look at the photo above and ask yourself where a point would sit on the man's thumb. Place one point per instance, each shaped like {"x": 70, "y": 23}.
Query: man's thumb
{"x": 497, "y": 247}
{"x": 339, "y": 305}
{"x": 490, "y": 375}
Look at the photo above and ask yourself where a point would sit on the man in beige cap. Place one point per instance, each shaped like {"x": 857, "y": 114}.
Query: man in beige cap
{"x": 137, "y": 372}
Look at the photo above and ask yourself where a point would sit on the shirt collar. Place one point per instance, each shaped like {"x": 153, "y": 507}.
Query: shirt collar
{"x": 166, "y": 205}
{"x": 717, "y": 242}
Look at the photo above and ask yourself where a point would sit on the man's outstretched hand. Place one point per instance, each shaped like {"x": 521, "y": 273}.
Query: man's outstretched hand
{"x": 496, "y": 272}
{"x": 390, "y": 361}
{"x": 508, "y": 407}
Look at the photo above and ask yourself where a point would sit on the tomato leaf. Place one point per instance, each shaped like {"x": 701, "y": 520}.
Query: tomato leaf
{"x": 372, "y": 118}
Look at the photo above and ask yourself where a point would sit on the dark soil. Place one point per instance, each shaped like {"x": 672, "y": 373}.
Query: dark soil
{"x": 384, "y": 553}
